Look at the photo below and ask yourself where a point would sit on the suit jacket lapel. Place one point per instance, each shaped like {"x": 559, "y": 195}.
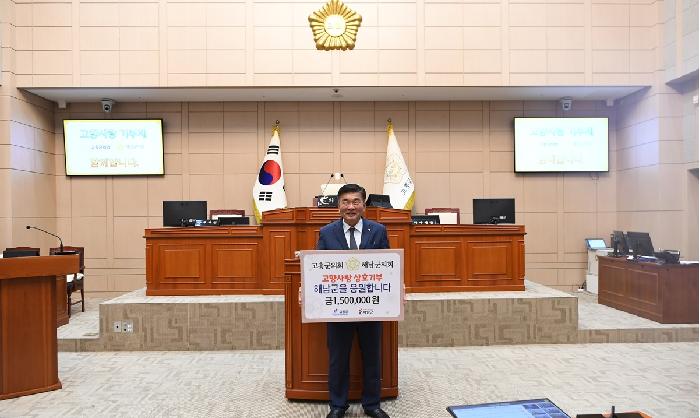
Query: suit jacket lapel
{"x": 340, "y": 235}
{"x": 366, "y": 230}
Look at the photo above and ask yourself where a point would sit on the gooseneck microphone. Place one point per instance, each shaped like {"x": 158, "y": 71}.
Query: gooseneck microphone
{"x": 47, "y": 232}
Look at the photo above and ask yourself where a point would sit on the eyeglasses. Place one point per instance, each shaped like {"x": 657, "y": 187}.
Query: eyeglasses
{"x": 356, "y": 202}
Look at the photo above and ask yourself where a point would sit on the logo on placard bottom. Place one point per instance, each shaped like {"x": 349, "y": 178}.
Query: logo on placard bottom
{"x": 365, "y": 311}
{"x": 340, "y": 312}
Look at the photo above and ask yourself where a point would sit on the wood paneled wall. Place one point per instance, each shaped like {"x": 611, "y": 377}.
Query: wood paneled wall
{"x": 456, "y": 151}
{"x": 258, "y": 43}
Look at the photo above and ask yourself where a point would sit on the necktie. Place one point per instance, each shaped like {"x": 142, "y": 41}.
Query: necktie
{"x": 353, "y": 243}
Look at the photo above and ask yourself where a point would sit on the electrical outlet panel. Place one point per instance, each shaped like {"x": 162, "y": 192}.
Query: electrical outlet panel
{"x": 128, "y": 326}
{"x": 123, "y": 326}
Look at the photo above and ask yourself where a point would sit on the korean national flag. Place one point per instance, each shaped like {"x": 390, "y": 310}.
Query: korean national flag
{"x": 268, "y": 192}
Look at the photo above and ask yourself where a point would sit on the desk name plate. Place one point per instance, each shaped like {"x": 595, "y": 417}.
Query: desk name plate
{"x": 351, "y": 285}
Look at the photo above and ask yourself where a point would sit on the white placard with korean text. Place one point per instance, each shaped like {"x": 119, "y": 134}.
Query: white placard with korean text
{"x": 351, "y": 285}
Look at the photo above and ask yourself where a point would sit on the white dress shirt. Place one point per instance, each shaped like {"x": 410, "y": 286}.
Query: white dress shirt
{"x": 358, "y": 233}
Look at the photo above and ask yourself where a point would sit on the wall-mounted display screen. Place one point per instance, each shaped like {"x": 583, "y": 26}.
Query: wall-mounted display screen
{"x": 561, "y": 144}
{"x": 113, "y": 147}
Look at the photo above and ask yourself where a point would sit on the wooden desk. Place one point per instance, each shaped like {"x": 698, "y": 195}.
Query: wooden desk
{"x": 208, "y": 261}
{"x": 458, "y": 258}
{"x": 250, "y": 259}
{"x": 306, "y": 355}
{"x": 29, "y": 355}
{"x": 665, "y": 293}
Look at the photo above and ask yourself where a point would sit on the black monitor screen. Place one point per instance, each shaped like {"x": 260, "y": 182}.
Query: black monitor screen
{"x": 233, "y": 220}
{"x": 177, "y": 210}
{"x": 640, "y": 243}
{"x": 20, "y": 252}
{"x": 379, "y": 201}
{"x": 494, "y": 211}
{"x": 619, "y": 242}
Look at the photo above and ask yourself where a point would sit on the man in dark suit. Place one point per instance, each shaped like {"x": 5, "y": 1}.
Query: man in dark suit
{"x": 353, "y": 232}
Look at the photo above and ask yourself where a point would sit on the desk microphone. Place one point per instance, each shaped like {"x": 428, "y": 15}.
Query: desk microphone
{"x": 47, "y": 232}
{"x": 337, "y": 177}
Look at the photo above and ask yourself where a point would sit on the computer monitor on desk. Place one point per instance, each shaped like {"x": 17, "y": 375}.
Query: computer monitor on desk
{"x": 378, "y": 201}
{"x": 233, "y": 220}
{"x": 640, "y": 243}
{"x": 176, "y": 210}
{"x": 20, "y": 252}
{"x": 618, "y": 242}
{"x": 493, "y": 211}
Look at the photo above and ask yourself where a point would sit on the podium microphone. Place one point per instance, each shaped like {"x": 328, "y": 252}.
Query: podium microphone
{"x": 47, "y": 232}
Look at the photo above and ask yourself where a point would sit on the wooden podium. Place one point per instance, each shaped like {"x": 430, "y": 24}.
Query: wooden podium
{"x": 62, "y": 317}
{"x": 306, "y": 354}
{"x": 29, "y": 355}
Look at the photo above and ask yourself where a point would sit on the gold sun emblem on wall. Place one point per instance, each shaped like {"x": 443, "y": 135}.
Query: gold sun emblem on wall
{"x": 335, "y": 26}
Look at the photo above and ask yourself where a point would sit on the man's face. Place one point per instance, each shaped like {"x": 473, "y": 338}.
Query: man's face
{"x": 351, "y": 207}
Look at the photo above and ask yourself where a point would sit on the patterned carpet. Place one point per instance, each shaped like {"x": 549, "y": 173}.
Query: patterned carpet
{"x": 660, "y": 379}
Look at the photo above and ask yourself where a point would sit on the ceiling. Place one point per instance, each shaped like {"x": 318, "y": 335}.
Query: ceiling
{"x": 62, "y": 95}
